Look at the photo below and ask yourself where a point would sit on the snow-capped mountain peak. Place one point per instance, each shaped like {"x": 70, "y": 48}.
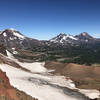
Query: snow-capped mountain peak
{"x": 84, "y": 36}
{"x": 84, "y": 33}
{"x": 13, "y": 32}
{"x": 62, "y": 37}
{"x": 12, "y": 38}
{"x": 18, "y": 35}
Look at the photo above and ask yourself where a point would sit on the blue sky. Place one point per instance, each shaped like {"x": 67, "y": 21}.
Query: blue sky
{"x": 44, "y": 19}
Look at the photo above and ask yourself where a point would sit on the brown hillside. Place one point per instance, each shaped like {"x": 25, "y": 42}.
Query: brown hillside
{"x": 83, "y": 76}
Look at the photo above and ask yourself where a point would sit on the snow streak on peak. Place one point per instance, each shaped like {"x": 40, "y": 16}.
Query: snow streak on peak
{"x": 4, "y": 34}
{"x": 13, "y": 32}
{"x": 72, "y": 37}
{"x": 62, "y": 37}
{"x": 18, "y": 35}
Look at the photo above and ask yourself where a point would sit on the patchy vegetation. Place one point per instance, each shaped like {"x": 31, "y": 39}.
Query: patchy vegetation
{"x": 82, "y": 54}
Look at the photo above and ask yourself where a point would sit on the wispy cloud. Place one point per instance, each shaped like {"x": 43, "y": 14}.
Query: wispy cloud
{"x": 96, "y": 35}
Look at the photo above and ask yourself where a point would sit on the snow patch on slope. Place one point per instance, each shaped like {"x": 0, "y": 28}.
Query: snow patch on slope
{"x": 34, "y": 67}
{"x": 90, "y": 93}
{"x": 72, "y": 37}
{"x": 11, "y": 38}
{"x": 15, "y": 52}
{"x": 14, "y": 31}
{"x": 19, "y": 79}
{"x": 4, "y": 34}
{"x": 9, "y": 55}
{"x": 18, "y": 35}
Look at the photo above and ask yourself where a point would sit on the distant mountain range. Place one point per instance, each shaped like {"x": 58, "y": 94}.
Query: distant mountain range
{"x": 82, "y": 48}
{"x": 12, "y": 38}
{"x": 65, "y": 39}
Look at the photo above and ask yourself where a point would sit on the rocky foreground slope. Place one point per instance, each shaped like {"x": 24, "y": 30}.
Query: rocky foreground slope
{"x": 7, "y": 92}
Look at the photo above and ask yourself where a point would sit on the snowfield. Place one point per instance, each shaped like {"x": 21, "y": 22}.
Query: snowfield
{"x": 37, "y": 87}
{"x": 90, "y": 93}
{"x": 39, "y": 83}
{"x": 34, "y": 67}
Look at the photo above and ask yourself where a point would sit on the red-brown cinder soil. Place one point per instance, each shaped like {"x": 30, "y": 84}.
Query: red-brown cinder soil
{"x": 7, "y": 92}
